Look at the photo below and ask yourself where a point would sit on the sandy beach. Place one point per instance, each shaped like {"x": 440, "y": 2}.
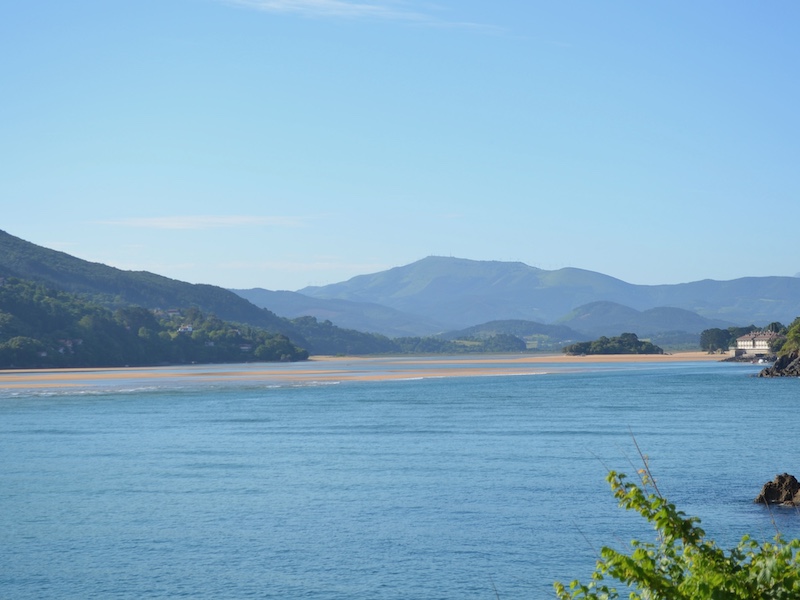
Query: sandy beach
{"x": 551, "y": 358}
{"x": 338, "y": 368}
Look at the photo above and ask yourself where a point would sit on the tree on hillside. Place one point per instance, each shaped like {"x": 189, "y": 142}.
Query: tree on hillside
{"x": 792, "y": 342}
{"x": 21, "y": 351}
{"x": 737, "y": 332}
{"x": 627, "y": 343}
{"x": 776, "y": 327}
{"x": 504, "y": 342}
{"x": 715, "y": 339}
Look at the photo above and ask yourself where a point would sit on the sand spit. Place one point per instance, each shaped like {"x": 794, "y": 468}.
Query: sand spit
{"x": 333, "y": 369}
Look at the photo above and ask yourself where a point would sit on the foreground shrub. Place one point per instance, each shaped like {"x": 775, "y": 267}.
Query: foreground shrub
{"x": 682, "y": 563}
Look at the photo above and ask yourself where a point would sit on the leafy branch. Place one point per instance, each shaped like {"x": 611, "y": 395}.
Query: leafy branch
{"x": 682, "y": 563}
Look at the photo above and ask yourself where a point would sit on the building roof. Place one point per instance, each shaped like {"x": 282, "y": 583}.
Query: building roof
{"x": 758, "y": 335}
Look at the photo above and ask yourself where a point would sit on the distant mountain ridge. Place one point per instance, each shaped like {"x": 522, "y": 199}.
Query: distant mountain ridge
{"x": 363, "y": 316}
{"x": 609, "y": 319}
{"x": 432, "y": 296}
{"x": 461, "y": 293}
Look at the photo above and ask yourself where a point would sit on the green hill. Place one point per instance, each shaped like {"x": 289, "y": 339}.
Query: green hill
{"x": 45, "y": 328}
{"x": 537, "y": 336}
{"x": 115, "y": 288}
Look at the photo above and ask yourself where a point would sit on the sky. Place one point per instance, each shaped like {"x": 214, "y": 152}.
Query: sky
{"x": 286, "y": 143}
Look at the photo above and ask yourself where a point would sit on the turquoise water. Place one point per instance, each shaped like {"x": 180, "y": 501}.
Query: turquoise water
{"x": 424, "y": 488}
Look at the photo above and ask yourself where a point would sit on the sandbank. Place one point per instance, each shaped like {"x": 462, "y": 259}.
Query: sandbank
{"x": 335, "y": 369}
{"x": 545, "y": 358}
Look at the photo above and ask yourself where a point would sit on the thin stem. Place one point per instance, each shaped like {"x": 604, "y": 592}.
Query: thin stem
{"x": 650, "y": 477}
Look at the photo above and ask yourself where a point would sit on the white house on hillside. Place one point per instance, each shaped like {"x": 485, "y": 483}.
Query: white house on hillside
{"x": 755, "y": 343}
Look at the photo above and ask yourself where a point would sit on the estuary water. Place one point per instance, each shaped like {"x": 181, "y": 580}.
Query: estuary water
{"x": 191, "y": 484}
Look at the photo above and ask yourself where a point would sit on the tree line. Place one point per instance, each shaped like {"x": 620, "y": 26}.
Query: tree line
{"x": 720, "y": 340}
{"x": 327, "y": 338}
{"x": 627, "y": 343}
{"x": 44, "y": 328}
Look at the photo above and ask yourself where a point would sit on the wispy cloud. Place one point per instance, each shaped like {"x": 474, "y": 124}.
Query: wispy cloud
{"x": 350, "y": 9}
{"x": 333, "y": 8}
{"x": 309, "y": 265}
{"x": 206, "y": 222}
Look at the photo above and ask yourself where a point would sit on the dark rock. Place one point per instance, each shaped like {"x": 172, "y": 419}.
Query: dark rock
{"x": 784, "y": 489}
{"x": 744, "y": 358}
{"x": 787, "y": 365}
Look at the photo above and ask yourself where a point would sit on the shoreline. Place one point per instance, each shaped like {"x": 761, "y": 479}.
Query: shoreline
{"x": 693, "y": 356}
{"x": 332, "y": 369}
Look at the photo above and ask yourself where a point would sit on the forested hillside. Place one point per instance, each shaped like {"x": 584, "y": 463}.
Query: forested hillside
{"x": 45, "y": 328}
{"x": 40, "y": 327}
{"x": 112, "y": 288}
{"x": 116, "y": 288}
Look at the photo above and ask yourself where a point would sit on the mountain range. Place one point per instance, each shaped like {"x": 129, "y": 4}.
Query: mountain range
{"x": 444, "y": 296}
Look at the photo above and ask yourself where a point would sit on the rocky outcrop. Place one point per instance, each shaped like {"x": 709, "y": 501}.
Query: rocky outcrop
{"x": 784, "y": 489}
{"x": 787, "y": 365}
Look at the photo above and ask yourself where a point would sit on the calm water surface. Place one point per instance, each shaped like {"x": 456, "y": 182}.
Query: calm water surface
{"x": 424, "y": 488}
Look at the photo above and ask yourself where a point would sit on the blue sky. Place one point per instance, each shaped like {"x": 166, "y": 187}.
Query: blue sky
{"x": 281, "y": 143}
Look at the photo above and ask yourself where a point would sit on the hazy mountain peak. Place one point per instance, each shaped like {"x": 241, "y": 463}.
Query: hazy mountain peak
{"x": 438, "y": 293}
{"x": 460, "y": 292}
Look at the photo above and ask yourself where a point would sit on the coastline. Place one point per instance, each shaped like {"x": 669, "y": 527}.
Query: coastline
{"x": 327, "y": 369}
{"x": 694, "y": 356}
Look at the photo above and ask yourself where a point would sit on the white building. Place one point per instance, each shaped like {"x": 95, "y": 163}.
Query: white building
{"x": 755, "y": 343}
